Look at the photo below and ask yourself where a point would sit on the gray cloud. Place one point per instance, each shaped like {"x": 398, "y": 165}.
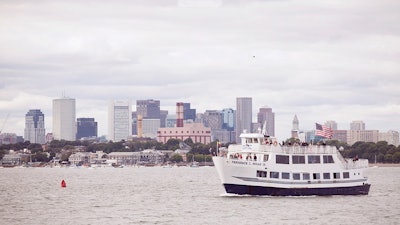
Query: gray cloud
{"x": 320, "y": 60}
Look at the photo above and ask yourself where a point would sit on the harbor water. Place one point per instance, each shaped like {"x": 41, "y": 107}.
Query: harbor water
{"x": 178, "y": 195}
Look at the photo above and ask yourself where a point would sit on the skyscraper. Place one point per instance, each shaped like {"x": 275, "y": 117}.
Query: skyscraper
{"x": 213, "y": 119}
{"x": 149, "y": 109}
{"x": 357, "y": 125}
{"x": 331, "y": 124}
{"x": 86, "y": 127}
{"x": 228, "y": 119}
{"x": 64, "y": 119}
{"x": 34, "y": 127}
{"x": 295, "y": 127}
{"x": 265, "y": 114}
{"x": 188, "y": 113}
{"x": 179, "y": 114}
{"x": 243, "y": 115}
{"x": 119, "y": 120}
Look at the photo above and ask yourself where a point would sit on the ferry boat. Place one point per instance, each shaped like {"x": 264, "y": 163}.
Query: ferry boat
{"x": 259, "y": 165}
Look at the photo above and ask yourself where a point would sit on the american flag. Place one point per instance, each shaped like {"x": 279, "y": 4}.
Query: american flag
{"x": 323, "y": 131}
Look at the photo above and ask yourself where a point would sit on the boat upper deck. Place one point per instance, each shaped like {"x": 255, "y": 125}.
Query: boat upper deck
{"x": 285, "y": 149}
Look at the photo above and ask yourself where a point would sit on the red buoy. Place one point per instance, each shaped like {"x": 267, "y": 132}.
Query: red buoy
{"x": 63, "y": 184}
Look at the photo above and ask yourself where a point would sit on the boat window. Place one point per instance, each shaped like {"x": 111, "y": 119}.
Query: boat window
{"x": 296, "y": 176}
{"x": 285, "y": 175}
{"x": 248, "y": 140}
{"x": 261, "y": 173}
{"x": 298, "y": 159}
{"x": 274, "y": 174}
{"x": 306, "y": 176}
{"x": 314, "y": 159}
{"x": 266, "y": 158}
{"x": 316, "y": 176}
{"x": 255, "y": 140}
{"x": 336, "y": 175}
{"x": 327, "y": 159}
{"x": 346, "y": 175}
{"x": 327, "y": 176}
{"x": 282, "y": 159}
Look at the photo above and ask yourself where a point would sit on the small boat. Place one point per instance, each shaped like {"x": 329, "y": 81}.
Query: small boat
{"x": 261, "y": 166}
{"x": 117, "y": 165}
{"x": 194, "y": 164}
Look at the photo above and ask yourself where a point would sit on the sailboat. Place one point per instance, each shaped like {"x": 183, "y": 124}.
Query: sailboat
{"x": 375, "y": 166}
{"x": 194, "y": 164}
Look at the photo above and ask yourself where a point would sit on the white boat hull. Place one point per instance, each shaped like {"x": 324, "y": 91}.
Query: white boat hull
{"x": 239, "y": 177}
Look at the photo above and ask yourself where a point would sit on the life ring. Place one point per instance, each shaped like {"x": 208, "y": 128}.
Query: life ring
{"x": 275, "y": 143}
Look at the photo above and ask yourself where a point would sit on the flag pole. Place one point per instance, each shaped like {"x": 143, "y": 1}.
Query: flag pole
{"x": 217, "y": 148}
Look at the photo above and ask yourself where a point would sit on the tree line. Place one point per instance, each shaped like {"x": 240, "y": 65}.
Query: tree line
{"x": 380, "y": 152}
{"x": 47, "y": 152}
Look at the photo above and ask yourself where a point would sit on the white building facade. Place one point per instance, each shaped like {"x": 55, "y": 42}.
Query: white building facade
{"x": 119, "y": 120}
{"x": 64, "y": 119}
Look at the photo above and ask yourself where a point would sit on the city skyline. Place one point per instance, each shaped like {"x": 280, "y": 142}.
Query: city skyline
{"x": 320, "y": 60}
{"x": 248, "y": 100}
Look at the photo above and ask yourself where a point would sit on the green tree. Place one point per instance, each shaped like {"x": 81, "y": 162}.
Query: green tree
{"x": 40, "y": 157}
{"x": 176, "y": 158}
{"x": 388, "y": 158}
{"x": 396, "y": 157}
{"x": 189, "y": 142}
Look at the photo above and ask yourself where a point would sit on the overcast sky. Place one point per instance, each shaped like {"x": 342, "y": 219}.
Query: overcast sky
{"x": 322, "y": 60}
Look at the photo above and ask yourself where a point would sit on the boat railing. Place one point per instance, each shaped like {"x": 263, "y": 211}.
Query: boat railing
{"x": 286, "y": 149}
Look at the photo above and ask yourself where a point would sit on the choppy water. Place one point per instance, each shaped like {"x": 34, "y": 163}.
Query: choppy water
{"x": 155, "y": 195}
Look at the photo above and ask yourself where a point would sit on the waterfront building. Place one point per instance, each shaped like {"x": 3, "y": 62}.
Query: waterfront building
{"x": 64, "y": 119}
{"x": 119, "y": 120}
{"x": 265, "y": 114}
{"x": 340, "y": 135}
{"x": 34, "y": 127}
{"x": 243, "y": 115}
{"x": 391, "y": 137}
{"x": 362, "y": 135}
{"x": 14, "y": 159}
{"x": 8, "y": 138}
{"x": 88, "y": 158}
{"x": 357, "y": 125}
{"x": 79, "y": 158}
{"x": 86, "y": 127}
{"x": 196, "y": 131}
{"x": 145, "y": 157}
{"x": 150, "y": 128}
